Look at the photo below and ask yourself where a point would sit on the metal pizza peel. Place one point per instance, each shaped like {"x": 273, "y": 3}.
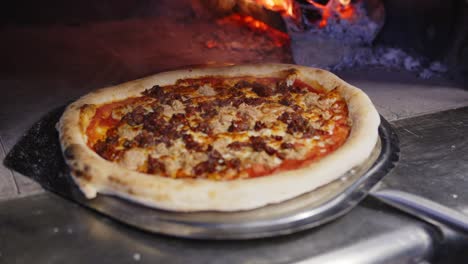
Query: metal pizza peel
{"x": 38, "y": 156}
{"x": 306, "y": 211}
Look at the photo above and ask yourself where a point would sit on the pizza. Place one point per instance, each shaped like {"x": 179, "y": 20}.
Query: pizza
{"x": 225, "y": 139}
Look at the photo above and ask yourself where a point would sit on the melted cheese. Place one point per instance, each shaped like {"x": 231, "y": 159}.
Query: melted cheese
{"x": 325, "y": 112}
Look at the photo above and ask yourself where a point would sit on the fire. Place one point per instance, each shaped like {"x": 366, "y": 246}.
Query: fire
{"x": 279, "y": 38}
{"x": 342, "y": 8}
{"x": 285, "y": 7}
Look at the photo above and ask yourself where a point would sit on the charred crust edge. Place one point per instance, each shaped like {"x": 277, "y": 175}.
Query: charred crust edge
{"x": 70, "y": 152}
{"x": 80, "y": 174}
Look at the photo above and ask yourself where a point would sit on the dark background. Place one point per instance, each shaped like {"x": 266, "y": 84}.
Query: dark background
{"x": 436, "y": 29}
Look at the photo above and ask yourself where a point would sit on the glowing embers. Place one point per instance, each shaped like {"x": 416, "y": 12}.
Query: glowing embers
{"x": 320, "y": 12}
{"x": 285, "y": 7}
{"x": 279, "y": 38}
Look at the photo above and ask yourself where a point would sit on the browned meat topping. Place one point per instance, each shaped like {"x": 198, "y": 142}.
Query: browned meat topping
{"x": 282, "y": 87}
{"x": 153, "y": 122}
{"x": 204, "y": 127}
{"x": 262, "y": 90}
{"x": 297, "y": 108}
{"x": 259, "y": 125}
{"x": 155, "y": 166}
{"x": 233, "y": 163}
{"x": 106, "y": 148}
{"x": 128, "y": 143}
{"x": 254, "y": 101}
{"x": 286, "y": 145}
{"x": 280, "y": 155}
{"x": 209, "y": 113}
{"x": 258, "y": 144}
{"x": 287, "y": 101}
{"x": 191, "y": 144}
{"x": 214, "y": 161}
{"x": 242, "y": 84}
{"x": 238, "y": 145}
{"x": 178, "y": 119}
{"x": 275, "y": 137}
{"x": 238, "y": 125}
{"x": 135, "y": 117}
{"x": 295, "y": 122}
{"x": 144, "y": 139}
{"x": 157, "y": 92}
{"x": 191, "y": 110}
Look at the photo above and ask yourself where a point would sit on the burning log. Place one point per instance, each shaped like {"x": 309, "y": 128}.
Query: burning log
{"x": 346, "y": 14}
{"x": 279, "y": 38}
{"x": 224, "y": 8}
{"x": 334, "y": 29}
{"x": 264, "y": 25}
{"x": 323, "y": 33}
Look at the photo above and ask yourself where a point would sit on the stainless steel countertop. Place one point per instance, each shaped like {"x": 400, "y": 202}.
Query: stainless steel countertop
{"x": 48, "y": 229}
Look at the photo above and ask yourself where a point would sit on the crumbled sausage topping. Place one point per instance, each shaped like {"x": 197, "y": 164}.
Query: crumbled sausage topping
{"x": 222, "y": 128}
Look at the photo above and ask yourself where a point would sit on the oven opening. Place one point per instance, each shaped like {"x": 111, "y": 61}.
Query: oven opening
{"x": 409, "y": 57}
{"x": 427, "y": 38}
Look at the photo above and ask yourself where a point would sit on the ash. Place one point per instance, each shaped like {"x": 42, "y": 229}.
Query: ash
{"x": 343, "y": 44}
{"x": 137, "y": 257}
{"x": 392, "y": 59}
{"x": 359, "y": 30}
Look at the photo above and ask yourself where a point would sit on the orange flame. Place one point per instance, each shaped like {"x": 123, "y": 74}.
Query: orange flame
{"x": 285, "y": 7}
{"x": 342, "y": 8}
{"x": 279, "y": 38}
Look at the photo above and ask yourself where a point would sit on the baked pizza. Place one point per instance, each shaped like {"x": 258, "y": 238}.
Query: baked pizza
{"x": 225, "y": 139}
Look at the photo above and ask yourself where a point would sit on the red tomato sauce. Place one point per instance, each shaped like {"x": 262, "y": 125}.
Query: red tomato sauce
{"x": 102, "y": 119}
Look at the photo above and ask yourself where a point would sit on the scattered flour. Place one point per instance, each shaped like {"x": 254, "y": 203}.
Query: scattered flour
{"x": 137, "y": 257}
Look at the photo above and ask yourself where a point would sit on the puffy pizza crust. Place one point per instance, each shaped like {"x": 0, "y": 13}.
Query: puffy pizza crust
{"x": 94, "y": 174}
